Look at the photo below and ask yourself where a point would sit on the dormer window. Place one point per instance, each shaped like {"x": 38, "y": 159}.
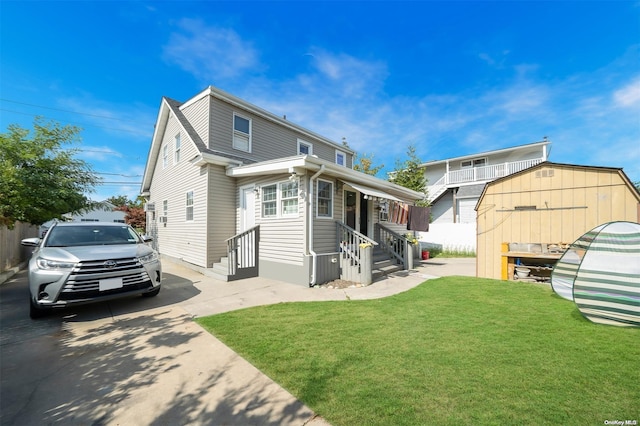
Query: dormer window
{"x": 241, "y": 133}
{"x": 304, "y": 148}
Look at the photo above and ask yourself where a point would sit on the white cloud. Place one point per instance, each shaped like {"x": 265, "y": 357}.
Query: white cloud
{"x": 210, "y": 53}
{"x": 629, "y": 95}
{"x": 340, "y": 95}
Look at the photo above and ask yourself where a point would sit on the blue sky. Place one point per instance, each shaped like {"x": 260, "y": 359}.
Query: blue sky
{"x": 452, "y": 78}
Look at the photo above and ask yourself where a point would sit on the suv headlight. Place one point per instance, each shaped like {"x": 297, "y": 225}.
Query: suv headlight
{"x": 53, "y": 264}
{"x": 151, "y": 257}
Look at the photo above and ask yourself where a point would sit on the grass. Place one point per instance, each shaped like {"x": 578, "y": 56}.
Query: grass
{"x": 454, "y": 350}
{"x": 437, "y": 252}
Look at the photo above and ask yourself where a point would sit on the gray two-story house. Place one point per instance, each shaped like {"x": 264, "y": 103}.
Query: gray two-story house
{"x": 455, "y": 185}
{"x": 237, "y": 191}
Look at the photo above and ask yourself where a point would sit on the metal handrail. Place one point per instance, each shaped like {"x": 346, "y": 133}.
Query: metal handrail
{"x": 242, "y": 250}
{"x": 396, "y": 245}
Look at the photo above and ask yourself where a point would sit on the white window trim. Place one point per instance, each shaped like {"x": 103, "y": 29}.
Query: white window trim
{"x": 472, "y": 161}
{"x": 333, "y": 199}
{"x": 303, "y": 142}
{"x": 238, "y": 132}
{"x": 186, "y": 206}
{"x": 178, "y": 146}
{"x": 165, "y": 211}
{"x": 165, "y": 156}
{"x": 279, "y": 199}
{"x": 344, "y": 155}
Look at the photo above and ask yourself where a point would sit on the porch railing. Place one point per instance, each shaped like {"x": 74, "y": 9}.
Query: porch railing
{"x": 356, "y": 254}
{"x": 394, "y": 244}
{"x": 242, "y": 254}
{"x": 479, "y": 174}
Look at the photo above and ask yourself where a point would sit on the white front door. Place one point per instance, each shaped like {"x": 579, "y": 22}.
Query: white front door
{"x": 247, "y": 208}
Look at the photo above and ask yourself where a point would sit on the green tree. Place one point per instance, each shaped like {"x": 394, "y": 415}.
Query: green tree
{"x": 410, "y": 175}
{"x": 134, "y": 210}
{"x": 118, "y": 201}
{"x": 364, "y": 164}
{"x": 40, "y": 180}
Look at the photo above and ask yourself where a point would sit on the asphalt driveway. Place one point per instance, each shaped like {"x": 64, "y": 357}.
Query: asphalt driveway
{"x": 144, "y": 361}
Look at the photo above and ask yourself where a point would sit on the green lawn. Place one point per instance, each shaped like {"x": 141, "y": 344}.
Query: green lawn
{"x": 453, "y": 350}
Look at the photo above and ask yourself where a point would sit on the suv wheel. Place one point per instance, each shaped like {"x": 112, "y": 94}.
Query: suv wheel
{"x": 152, "y": 293}
{"x": 34, "y": 311}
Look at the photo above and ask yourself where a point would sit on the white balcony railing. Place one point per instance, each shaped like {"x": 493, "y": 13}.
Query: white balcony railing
{"x": 478, "y": 174}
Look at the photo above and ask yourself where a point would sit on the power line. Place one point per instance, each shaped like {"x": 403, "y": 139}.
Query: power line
{"x": 65, "y": 110}
{"x": 119, "y": 183}
{"x": 116, "y": 174}
{"x": 71, "y": 122}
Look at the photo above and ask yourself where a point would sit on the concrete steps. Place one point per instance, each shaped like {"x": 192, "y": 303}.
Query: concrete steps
{"x": 218, "y": 270}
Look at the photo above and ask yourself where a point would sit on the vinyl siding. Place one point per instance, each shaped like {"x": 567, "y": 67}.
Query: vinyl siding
{"x": 268, "y": 140}
{"x": 180, "y": 239}
{"x": 198, "y": 115}
{"x": 282, "y": 239}
{"x": 222, "y": 204}
{"x": 324, "y": 229}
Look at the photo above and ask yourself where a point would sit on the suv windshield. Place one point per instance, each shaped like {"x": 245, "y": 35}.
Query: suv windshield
{"x": 64, "y": 236}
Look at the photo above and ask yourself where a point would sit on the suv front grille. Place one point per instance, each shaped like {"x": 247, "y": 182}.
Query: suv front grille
{"x": 84, "y": 281}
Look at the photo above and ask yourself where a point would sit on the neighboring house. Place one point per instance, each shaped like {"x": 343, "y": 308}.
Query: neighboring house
{"x": 455, "y": 185}
{"x": 528, "y": 218}
{"x": 102, "y": 212}
{"x": 238, "y": 191}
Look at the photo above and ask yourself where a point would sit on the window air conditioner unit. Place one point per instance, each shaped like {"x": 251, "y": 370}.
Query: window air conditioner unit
{"x": 163, "y": 219}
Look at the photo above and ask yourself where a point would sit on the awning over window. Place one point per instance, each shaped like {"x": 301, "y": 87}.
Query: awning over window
{"x": 370, "y": 192}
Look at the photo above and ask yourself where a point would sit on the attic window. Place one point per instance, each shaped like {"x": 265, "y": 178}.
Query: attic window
{"x": 519, "y": 208}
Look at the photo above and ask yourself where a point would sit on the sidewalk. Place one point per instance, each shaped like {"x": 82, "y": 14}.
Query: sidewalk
{"x": 146, "y": 362}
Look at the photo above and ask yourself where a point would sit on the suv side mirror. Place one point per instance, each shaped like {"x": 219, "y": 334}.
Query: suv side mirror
{"x": 30, "y": 242}
{"x": 147, "y": 239}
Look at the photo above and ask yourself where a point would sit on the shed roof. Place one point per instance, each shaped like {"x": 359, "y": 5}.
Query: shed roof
{"x": 617, "y": 170}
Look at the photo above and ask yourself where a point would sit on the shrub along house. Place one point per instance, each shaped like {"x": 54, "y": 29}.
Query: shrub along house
{"x": 238, "y": 191}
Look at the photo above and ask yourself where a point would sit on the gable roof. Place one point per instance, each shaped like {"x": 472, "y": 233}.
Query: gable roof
{"x": 617, "y": 170}
{"x": 170, "y": 106}
{"x": 487, "y": 153}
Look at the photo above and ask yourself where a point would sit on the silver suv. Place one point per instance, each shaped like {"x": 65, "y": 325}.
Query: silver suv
{"x": 84, "y": 262}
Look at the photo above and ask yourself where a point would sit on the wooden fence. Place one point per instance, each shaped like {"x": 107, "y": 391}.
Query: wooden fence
{"x": 11, "y": 252}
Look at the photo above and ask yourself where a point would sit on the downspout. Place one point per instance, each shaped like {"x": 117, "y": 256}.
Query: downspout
{"x": 314, "y": 255}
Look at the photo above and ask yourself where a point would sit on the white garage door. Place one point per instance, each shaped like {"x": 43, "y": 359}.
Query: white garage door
{"x": 466, "y": 212}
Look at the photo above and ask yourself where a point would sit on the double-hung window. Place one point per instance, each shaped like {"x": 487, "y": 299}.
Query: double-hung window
{"x": 241, "y": 133}
{"x": 189, "y": 206}
{"x": 280, "y": 199}
{"x": 178, "y": 146}
{"x": 270, "y": 201}
{"x": 165, "y": 156}
{"x": 289, "y": 198}
{"x": 324, "y": 199}
{"x": 341, "y": 158}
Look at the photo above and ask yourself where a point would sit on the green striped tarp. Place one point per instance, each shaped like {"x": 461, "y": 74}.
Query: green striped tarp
{"x": 601, "y": 273}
